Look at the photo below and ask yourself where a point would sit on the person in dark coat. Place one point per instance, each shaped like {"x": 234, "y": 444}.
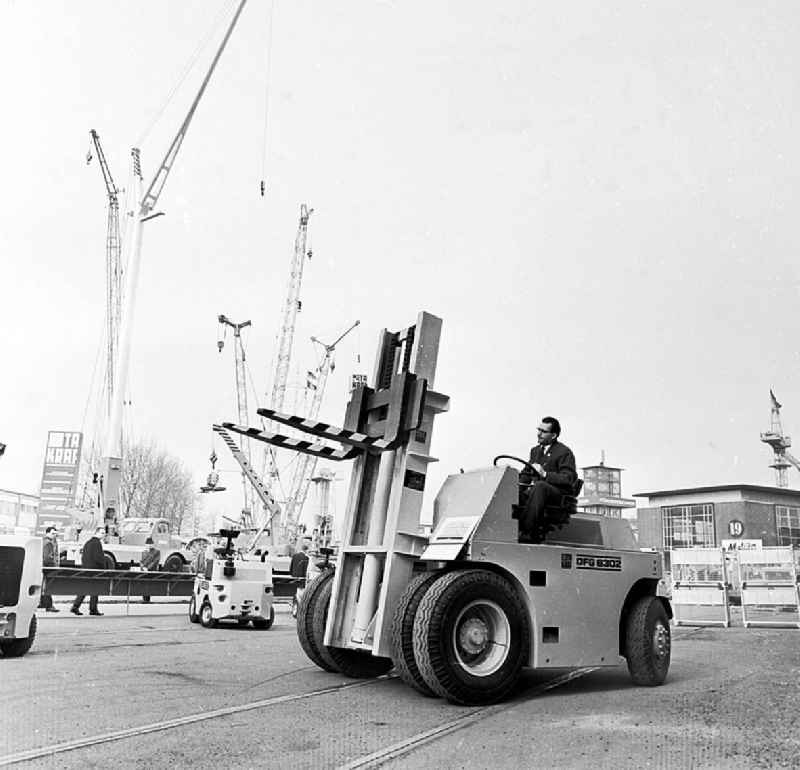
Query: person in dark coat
{"x": 92, "y": 557}
{"x": 551, "y": 476}
{"x": 49, "y": 559}
{"x": 298, "y": 567}
{"x": 149, "y": 560}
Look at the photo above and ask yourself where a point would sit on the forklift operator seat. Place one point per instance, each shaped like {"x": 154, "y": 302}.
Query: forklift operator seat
{"x": 555, "y": 516}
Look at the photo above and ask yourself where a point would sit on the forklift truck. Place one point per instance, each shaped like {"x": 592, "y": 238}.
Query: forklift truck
{"x": 459, "y": 613}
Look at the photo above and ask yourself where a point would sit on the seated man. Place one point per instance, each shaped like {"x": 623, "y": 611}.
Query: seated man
{"x": 552, "y": 477}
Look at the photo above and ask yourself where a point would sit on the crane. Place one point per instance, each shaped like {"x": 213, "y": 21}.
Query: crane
{"x": 307, "y": 464}
{"x": 291, "y": 308}
{"x": 780, "y": 443}
{"x": 113, "y": 268}
{"x": 241, "y": 402}
{"x": 111, "y": 472}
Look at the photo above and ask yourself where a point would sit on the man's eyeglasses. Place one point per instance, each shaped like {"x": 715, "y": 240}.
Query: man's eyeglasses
{"x": 542, "y": 430}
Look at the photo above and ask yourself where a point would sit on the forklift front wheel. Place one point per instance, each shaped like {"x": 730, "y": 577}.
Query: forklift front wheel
{"x": 471, "y": 637}
{"x": 403, "y": 632}
{"x": 312, "y": 614}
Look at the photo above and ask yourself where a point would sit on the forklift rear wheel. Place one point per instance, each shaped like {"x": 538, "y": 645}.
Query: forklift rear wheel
{"x": 648, "y": 642}
{"x": 403, "y": 632}
{"x": 193, "y": 616}
{"x": 471, "y": 637}
{"x": 309, "y": 634}
{"x": 265, "y": 623}
{"x": 16, "y": 648}
{"x": 207, "y": 618}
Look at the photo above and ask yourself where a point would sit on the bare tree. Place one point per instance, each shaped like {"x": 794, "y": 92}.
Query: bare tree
{"x": 156, "y": 484}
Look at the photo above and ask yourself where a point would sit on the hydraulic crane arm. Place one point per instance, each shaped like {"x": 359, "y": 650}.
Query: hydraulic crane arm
{"x": 270, "y": 503}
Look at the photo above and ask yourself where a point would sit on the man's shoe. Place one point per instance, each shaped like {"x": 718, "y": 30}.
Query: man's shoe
{"x": 52, "y": 609}
{"x": 95, "y": 613}
{"x": 76, "y": 611}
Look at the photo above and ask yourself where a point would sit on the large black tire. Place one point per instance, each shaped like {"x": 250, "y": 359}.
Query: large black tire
{"x": 174, "y": 563}
{"x": 312, "y": 614}
{"x": 207, "y": 619}
{"x": 471, "y": 637}
{"x": 193, "y": 616}
{"x": 16, "y": 648}
{"x": 403, "y": 631}
{"x": 648, "y": 642}
{"x": 265, "y": 623}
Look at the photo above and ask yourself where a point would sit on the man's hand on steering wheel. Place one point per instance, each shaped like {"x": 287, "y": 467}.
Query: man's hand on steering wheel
{"x": 534, "y": 468}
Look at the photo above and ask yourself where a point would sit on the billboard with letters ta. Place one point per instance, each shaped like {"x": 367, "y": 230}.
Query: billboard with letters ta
{"x": 62, "y": 458}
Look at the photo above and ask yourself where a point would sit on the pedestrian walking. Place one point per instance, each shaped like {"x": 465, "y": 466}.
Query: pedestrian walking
{"x": 91, "y": 558}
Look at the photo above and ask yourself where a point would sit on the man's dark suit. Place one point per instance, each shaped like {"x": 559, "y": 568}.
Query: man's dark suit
{"x": 91, "y": 558}
{"x": 558, "y": 463}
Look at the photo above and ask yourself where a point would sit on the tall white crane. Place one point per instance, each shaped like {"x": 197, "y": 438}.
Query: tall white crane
{"x": 113, "y": 269}
{"x": 306, "y": 464}
{"x": 109, "y": 497}
{"x": 241, "y": 404}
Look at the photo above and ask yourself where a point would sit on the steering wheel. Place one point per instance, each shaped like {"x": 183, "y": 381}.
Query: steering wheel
{"x": 518, "y": 460}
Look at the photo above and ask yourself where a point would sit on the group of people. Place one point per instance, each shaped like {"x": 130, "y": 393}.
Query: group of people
{"x": 92, "y": 557}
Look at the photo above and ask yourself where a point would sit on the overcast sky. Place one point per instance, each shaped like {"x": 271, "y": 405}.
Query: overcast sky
{"x": 599, "y": 201}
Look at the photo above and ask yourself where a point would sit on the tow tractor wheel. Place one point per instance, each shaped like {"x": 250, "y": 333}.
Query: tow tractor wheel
{"x": 16, "y": 648}
{"x": 207, "y": 618}
{"x": 265, "y": 623}
{"x": 193, "y": 616}
{"x": 403, "y": 632}
{"x": 648, "y": 642}
{"x": 471, "y": 637}
{"x": 311, "y": 629}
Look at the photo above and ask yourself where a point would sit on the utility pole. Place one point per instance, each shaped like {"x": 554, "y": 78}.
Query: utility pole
{"x": 241, "y": 403}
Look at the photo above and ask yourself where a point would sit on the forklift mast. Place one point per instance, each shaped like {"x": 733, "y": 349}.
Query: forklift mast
{"x": 387, "y": 432}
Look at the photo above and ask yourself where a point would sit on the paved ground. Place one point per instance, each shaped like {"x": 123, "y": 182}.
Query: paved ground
{"x": 231, "y": 697}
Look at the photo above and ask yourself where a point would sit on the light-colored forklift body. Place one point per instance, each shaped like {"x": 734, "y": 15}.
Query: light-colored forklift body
{"x": 20, "y": 590}
{"x": 575, "y": 585}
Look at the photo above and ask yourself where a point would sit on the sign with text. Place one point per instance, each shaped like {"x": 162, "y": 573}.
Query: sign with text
{"x": 62, "y": 459}
{"x": 741, "y": 545}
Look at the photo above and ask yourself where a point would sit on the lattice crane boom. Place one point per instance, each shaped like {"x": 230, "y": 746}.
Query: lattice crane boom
{"x": 290, "y": 310}
{"x": 113, "y": 270}
{"x": 780, "y": 443}
{"x": 307, "y": 464}
{"x": 112, "y": 454}
{"x": 241, "y": 401}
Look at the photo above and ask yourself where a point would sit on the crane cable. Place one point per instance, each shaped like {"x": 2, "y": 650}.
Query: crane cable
{"x": 268, "y": 75}
{"x": 217, "y": 23}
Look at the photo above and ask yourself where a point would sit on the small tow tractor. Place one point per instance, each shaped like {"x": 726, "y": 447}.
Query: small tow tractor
{"x": 232, "y": 588}
{"x": 459, "y": 613}
{"x": 20, "y": 591}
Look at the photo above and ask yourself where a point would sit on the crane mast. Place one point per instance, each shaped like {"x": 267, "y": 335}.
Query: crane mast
{"x": 290, "y": 310}
{"x": 113, "y": 270}
{"x": 780, "y": 443}
{"x": 307, "y": 464}
{"x": 109, "y": 497}
{"x": 241, "y": 403}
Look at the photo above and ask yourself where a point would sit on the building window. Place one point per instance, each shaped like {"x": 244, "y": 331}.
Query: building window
{"x": 688, "y": 526}
{"x": 788, "y": 525}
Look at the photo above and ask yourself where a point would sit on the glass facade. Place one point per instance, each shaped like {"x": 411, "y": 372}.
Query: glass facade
{"x": 601, "y": 481}
{"x": 787, "y": 522}
{"x": 688, "y": 526}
